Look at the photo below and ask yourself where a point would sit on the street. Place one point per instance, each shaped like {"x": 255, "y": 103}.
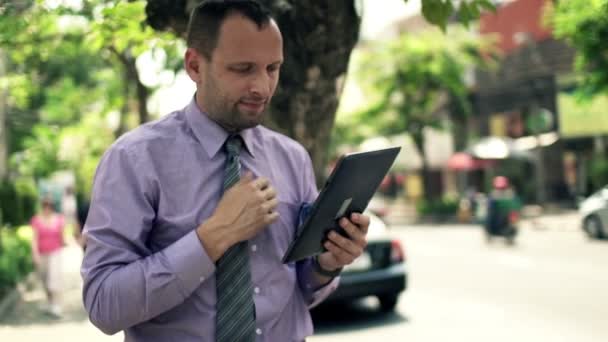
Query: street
{"x": 550, "y": 287}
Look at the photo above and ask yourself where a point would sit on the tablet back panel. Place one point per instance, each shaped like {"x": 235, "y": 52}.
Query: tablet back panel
{"x": 349, "y": 189}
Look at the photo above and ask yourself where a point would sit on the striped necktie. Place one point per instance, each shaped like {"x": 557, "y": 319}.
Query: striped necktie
{"x": 235, "y": 316}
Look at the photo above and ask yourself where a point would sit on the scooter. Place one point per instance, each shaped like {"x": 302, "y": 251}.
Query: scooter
{"x": 505, "y": 226}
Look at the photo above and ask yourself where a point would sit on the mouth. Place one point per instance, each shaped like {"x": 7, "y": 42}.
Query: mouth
{"x": 253, "y": 106}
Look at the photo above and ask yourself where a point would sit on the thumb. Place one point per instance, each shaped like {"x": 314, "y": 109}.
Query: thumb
{"x": 247, "y": 177}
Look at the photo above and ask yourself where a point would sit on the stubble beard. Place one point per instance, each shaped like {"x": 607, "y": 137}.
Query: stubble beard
{"x": 225, "y": 112}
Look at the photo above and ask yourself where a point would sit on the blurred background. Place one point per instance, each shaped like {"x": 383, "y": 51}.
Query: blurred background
{"x": 471, "y": 90}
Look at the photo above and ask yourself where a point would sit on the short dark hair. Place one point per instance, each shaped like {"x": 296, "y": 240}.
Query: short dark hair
{"x": 207, "y": 17}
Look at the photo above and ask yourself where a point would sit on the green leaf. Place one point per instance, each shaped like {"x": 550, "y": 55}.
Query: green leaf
{"x": 437, "y": 12}
{"x": 465, "y": 13}
{"x": 487, "y": 5}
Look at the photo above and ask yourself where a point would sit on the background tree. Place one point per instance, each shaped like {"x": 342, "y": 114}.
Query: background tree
{"x": 319, "y": 36}
{"x": 121, "y": 33}
{"x": 584, "y": 24}
{"x": 418, "y": 82}
{"x": 71, "y": 84}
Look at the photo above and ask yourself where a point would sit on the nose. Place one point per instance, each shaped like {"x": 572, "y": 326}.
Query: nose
{"x": 260, "y": 85}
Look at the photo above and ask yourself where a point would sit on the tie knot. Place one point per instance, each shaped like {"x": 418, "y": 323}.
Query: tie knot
{"x": 233, "y": 144}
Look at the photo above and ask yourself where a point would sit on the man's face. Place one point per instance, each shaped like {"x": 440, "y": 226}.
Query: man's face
{"x": 236, "y": 85}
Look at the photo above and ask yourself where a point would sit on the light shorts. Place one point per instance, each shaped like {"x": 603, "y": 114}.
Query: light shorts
{"x": 50, "y": 270}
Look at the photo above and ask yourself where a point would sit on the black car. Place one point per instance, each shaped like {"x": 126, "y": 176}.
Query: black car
{"x": 380, "y": 271}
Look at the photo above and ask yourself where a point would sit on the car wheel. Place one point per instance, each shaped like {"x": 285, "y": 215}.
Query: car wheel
{"x": 388, "y": 302}
{"x": 593, "y": 227}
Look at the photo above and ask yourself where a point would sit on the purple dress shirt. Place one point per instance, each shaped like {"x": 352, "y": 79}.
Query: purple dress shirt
{"x": 145, "y": 270}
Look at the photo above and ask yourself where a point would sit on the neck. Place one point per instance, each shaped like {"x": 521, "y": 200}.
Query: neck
{"x": 228, "y": 128}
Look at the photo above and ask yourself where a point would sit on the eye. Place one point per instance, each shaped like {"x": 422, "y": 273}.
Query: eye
{"x": 241, "y": 68}
{"x": 274, "y": 67}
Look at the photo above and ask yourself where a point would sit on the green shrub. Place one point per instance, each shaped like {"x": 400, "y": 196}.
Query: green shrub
{"x": 15, "y": 257}
{"x": 443, "y": 207}
{"x": 17, "y": 202}
{"x": 598, "y": 171}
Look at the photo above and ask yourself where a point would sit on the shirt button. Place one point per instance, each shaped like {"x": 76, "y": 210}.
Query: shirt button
{"x": 202, "y": 279}
{"x": 256, "y": 290}
{"x": 258, "y": 331}
{"x": 254, "y": 248}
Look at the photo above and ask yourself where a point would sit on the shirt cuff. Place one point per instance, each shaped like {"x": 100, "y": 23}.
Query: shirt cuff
{"x": 189, "y": 262}
{"x": 314, "y": 292}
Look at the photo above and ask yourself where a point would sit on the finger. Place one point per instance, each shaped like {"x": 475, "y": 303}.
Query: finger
{"x": 350, "y": 246}
{"x": 269, "y": 193}
{"x": 354, "y": 232}
{"x": 271, "y": 217}
{"x": 362, "y": 221}
{"x": 270, "y": 206}
{"x": 343, "y": 257}
{"x": 261, "y": 183}
{"x": 246, "y": 177}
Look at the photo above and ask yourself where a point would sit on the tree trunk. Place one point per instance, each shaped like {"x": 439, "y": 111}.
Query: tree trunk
{"x": 124, "y": 109}
{"x": 142, "y": 93}
{"x": 428, "y": 181}
{"x": 142, "y": 101}
{"x": 3, "y": 124}
{"x": 131, "y": 80}
{"x": 318, "y": 38}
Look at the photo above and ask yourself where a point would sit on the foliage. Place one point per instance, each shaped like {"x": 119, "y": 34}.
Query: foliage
{"x": 440, "y": 208}
{"x": 584, "y": 24}
{"x": 122, "y": 28}
{"x": 15, "y": 257}
{"x": 66, "y": 81}
{"x": 412, "y": 74}
{"x": 598, "y": 171}
{"x": 18, "y": 200}
{"x": 439, "y": 12}
{"x": 410, "y": 80}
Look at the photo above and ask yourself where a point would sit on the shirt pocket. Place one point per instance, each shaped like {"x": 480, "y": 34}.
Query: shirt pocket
{"x": 283, "y": 230}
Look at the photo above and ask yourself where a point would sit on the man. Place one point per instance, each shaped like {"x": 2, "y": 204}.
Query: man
{"x": 178, "y": 247}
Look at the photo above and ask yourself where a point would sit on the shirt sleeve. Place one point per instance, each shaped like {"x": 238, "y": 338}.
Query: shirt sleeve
{"x": 313, "y": 291}
{"x": 124, "y": 282}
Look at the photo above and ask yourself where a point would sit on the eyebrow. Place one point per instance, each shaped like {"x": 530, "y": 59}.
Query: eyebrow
{"x": 249, "y": 63}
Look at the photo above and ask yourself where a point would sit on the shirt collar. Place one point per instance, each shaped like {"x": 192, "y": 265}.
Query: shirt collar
{"x": 210, "y": 134}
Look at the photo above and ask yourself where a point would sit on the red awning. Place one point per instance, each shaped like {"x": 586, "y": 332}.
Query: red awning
{"x": 461, "y": 161}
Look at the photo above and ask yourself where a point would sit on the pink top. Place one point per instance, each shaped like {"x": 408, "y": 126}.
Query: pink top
{"x": 48, "y": 235}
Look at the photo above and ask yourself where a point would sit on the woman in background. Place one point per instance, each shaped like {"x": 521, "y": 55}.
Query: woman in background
{"x": 47, "y": 244}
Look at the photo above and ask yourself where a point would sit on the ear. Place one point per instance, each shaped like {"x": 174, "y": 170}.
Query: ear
{"x": 194, "y": 64}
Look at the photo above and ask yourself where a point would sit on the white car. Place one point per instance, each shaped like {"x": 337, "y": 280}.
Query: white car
{"x": 380, "y": 271}
{"x": 594, "y": 213}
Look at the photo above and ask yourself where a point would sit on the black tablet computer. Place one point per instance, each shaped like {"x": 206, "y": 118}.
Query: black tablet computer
{"x": 349, "y": 188}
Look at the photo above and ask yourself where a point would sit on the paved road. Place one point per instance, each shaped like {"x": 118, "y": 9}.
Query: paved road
{"x": 551, "y": 287}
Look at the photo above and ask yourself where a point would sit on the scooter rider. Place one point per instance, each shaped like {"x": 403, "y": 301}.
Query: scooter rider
{"x": 503, "y": 210}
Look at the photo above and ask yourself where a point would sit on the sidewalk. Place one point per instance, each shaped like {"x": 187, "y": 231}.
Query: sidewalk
{"x": 29, "y": 323}
{"x": 562, "y": 220}
{"x": 402, "y": 213}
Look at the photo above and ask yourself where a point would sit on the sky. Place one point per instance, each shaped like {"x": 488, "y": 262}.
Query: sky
{"x": 378, "y": 15}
